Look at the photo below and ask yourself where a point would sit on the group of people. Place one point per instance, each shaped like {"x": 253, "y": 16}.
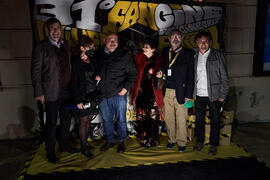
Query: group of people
{"x": 159, "y": 87}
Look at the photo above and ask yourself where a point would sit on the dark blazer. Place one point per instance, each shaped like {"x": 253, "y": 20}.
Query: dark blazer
{"x": 184, "y": 73}
{"x": 45, "y": 70}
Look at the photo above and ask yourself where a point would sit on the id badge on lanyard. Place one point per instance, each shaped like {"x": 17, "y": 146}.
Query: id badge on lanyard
{"x": 171, "y": 62}
{"x": 169, "y": 73}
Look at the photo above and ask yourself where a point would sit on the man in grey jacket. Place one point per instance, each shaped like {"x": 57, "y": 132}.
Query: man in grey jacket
{"x": 211, "y": 88}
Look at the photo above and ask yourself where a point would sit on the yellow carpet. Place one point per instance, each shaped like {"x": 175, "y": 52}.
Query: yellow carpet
{"x": 134, "y": 155}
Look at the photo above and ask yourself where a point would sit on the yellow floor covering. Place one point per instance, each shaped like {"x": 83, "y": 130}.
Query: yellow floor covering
{"x": 133, "y": 156}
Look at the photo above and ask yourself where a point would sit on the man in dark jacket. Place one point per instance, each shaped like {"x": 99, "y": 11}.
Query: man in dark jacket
{"x": 118, "y": 74}
{"x": 211, "y": 88}
{"x": 50, "y": 72}
{"x": 178, "y": 89}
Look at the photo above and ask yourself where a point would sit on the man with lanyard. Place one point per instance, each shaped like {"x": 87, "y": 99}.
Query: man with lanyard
{"x": 178, "y": 89}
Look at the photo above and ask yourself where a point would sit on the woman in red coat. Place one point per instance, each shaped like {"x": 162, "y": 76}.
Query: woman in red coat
{"x": 146, "y": 95}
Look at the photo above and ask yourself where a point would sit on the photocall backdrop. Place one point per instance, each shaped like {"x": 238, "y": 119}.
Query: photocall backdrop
{"x": 132, "y": 20}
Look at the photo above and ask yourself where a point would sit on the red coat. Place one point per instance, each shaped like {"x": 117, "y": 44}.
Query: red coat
{"x": 140, "y": 62}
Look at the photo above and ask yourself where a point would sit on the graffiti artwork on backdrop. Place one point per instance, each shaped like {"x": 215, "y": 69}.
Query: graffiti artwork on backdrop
{"x": 132, "y": 20}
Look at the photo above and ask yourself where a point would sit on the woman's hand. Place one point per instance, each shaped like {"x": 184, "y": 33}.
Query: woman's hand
{"x": 83, "y": 56}
{"x": 151, "y": 71}
{"x": 80, "y": 106}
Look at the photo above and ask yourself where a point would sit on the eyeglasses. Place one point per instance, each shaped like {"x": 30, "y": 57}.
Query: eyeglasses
{"x": 176, "y": 37}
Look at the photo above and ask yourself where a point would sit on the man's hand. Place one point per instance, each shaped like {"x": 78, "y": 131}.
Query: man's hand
{"x": 220, "y": 99}
{"x": 187, "y": 99}
{"x": 40, "y": 98}
{"x": 80, "y": 106}
{"x": 122, "y": 92}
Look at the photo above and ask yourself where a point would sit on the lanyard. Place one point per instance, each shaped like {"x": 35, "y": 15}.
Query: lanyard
{"x": 170, "y": 57}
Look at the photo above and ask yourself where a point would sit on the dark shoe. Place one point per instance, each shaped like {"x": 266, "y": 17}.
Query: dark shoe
{"x": 52, "y": 158}
{"x": 87, "y": 146}
{"x": 181, "y": 148}
{"x": 121, "y": 147}
{"x": 107, "y": 146}
{"x": 213, "y": 150}
{"x": 170, "y": 145}
{"x": 68, "y": 149}
{"x": 198, "y": 147}
{"x": 86, "y": 152}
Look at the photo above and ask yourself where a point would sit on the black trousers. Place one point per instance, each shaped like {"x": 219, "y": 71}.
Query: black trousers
{"x": 52, "y": 109}
{"x": 214, "y": 109}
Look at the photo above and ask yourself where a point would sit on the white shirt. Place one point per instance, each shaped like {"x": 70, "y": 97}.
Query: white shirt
{"x": 201, "y": 81}
{"x": 57, "y": 44}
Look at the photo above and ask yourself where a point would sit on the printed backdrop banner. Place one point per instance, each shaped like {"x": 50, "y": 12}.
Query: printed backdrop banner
{"x": 132, "y": 20}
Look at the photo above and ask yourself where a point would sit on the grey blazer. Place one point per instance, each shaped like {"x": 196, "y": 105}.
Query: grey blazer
{"x": 45, "y": 70}
{"x": 217, "y": 75}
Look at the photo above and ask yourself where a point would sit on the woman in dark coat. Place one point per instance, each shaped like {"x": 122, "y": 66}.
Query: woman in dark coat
{"x": 83, "y": 83}
{"x": 145, "y": 96}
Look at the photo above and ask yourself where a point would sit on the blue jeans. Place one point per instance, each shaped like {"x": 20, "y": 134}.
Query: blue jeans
{"x": 115, "y": 106}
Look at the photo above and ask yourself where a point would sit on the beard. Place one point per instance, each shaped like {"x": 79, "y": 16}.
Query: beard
{"x": 176, "y": 44}
{"x": 112, "y": 47}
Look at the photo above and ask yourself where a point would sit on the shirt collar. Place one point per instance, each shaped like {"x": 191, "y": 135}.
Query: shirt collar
{"x": 206, "y": 53}
{"x": 54, "y": 43}
{"x": 177, "y": 50}
{"x": 106, "y": 51}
